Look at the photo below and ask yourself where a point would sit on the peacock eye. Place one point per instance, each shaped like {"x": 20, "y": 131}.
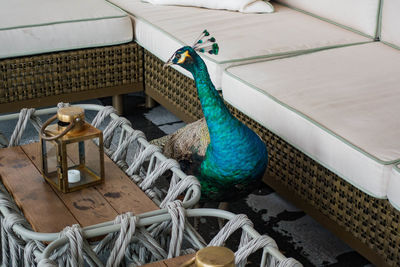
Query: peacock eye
{"x": 178, "y": 56}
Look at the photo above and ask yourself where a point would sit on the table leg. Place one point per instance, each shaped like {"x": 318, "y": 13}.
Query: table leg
{"x": 118, "y": 104}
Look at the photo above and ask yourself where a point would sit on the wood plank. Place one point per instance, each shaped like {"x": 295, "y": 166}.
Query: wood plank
{"x": 174, "y": 262}
{"x": 41, "y": 206}
{"x": 88, "y": 206}
{"x": 123, "y": 194}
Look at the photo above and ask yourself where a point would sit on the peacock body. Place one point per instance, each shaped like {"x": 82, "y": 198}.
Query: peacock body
{"x": 235, "y": 157}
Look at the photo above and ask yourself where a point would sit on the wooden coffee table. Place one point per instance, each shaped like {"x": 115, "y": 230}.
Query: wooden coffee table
{"x": 50, "y": 211}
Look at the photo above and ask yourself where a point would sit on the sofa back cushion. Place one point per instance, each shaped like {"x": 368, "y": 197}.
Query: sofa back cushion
{"x": 359, "y": 15}
{"x": 390, "y": 29}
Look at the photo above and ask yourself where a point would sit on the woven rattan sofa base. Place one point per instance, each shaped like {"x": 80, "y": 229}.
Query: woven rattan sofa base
{"x": 369, "y": 225}
{"x": 47, "y": 79}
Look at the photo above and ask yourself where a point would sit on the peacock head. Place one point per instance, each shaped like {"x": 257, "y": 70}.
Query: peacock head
{"x": 187, "y": 56}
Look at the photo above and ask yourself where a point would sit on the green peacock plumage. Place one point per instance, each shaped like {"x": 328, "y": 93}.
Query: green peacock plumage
{"x": 236, "y": 158}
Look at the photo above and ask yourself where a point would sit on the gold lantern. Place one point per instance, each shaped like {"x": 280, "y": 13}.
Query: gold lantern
{"x": 70, "y": 161}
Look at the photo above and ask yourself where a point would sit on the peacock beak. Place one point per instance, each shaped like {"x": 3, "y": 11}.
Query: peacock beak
{"x": 169, "y": 62}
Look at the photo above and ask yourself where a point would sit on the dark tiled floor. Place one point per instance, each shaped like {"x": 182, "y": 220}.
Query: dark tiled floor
{"x": 134, "y": 110}
{"x": 296, "y": 234}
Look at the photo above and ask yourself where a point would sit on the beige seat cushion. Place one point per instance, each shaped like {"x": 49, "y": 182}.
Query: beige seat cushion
{"x": 338, "y": 106}
{"x": 42, "y": 26}
{"x": 164, "y": 29}
{"x": 359, "y": 15}
{"x": 390, "y": 30}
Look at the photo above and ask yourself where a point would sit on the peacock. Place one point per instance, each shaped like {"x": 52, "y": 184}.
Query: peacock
{"x": 226, "y": 156}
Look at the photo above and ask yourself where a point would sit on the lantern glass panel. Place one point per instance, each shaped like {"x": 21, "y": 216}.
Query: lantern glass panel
{"x": 83, "y": 163}
{"x": 50, "y": 160}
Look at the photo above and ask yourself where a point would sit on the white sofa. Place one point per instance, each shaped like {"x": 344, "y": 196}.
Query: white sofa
{"x": 337, "y": 105}
{"x": 319, "y": 81}
{"x": 52, "y": 51}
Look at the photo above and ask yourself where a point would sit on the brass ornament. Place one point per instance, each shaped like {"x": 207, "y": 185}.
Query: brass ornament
{"x": 212, "y": 257}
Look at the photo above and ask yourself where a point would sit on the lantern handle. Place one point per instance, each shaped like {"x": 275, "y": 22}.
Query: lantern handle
{"x": 44, "y": 126}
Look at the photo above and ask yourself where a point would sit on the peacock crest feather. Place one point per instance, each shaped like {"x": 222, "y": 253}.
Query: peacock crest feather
{"x": 204, "y": 43}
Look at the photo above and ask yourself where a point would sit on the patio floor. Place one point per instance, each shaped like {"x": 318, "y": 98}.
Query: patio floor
{"x": 297, "y": 234}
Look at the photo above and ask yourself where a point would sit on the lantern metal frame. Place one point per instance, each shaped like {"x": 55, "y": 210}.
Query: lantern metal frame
{"x": 60, "y": 137}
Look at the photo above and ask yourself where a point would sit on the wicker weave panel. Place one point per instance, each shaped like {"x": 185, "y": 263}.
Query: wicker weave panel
{"x": 52, "y": 74}
{"x": 370, "y": 221}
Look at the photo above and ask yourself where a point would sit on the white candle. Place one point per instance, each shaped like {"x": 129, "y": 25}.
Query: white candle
{"x": 74, "y": 176}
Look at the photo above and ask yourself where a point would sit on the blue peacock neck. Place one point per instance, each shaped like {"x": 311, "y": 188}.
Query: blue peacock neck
{"x": 221, "y": 124}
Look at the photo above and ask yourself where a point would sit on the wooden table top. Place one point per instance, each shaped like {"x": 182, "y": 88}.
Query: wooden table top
{"x": 49, "y": 210}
